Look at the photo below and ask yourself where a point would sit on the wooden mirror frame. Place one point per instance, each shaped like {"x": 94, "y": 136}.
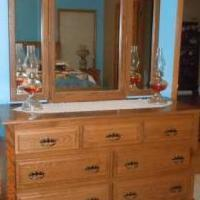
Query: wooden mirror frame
{"x": 89, "y": 95}
{"x": 44, "y": 52}
{"x": 48, "y": 55}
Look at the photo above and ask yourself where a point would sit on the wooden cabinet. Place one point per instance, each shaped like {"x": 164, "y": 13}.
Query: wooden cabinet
{"x": 107, "y": 157}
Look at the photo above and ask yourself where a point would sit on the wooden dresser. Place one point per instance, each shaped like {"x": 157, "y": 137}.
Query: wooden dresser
{"x": 118, "y": 155}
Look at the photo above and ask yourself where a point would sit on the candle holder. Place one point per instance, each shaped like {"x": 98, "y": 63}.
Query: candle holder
{"x": 135, "y": 75}
{"x": 33, "y": 86}
{"x": 158, "y": 83}
{"x": 33, "y": 83}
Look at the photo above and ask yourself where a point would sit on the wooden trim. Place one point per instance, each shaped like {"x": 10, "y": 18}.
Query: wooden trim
{"x": 155, "y": 36}
{"x": 44, "y": 47}
{"x": 89, "y": 95}
{"x": 179, "y": 22}
{"x": 11, "y": 19}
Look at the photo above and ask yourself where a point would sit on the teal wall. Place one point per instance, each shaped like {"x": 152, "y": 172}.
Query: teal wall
{"x": 98, "y": 6}
{"x": 4, "y": 53}
{"x": 167, "y": 38}
{"x": 28, "y": 20}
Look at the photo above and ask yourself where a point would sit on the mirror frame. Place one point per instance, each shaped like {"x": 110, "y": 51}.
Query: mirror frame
{"x": 48, "y": 56}
{"x": 44, "y": 52}
{"x": 88, "y": 95}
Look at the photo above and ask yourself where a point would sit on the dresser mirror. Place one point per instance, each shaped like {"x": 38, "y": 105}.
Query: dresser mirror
{"x": 142, "y": 30}
{"x": 81, "y": 50}
{"x": 28, "y": 47}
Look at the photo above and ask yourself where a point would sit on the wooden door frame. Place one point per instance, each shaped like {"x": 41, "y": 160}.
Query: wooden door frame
{"x": 179, "y": 22}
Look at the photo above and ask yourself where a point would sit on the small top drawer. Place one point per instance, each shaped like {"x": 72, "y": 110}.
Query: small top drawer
{"x": 47, "y": 139}
{"x": 109, "y": 133}
{"x": 91, "y": 192}
{"x": 168, "y": 128}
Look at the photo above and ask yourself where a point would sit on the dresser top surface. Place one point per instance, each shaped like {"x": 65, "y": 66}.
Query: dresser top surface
{"x": 9, "y": 116}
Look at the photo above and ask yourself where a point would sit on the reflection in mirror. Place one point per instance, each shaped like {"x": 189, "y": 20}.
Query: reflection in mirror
{"x": 87, "y": 44}
{"x": 28, "y": 46}
{"x": 142, "y": 34}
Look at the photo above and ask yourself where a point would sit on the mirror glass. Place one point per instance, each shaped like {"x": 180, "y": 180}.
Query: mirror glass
{"x": 87, "y": 44}
{"x": 142, "y": 42}
{"x": 28, "y": 45}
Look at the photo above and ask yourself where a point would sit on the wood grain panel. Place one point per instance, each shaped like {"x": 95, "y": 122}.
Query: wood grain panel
{"x": 169, "y": 128}
{"x": 70, "y": 169}
{"x": 164, "y": 188}
{"x": 112, "y": 133}
{"x": 47, "y": 140}
{"x": 152, "y": 160}
{"x": 95, "y": 192}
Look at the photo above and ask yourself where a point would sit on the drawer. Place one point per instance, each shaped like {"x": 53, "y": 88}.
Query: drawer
{"x": 147, "y": 161}
{"x": 69, "y": 169}
{"x": 168, "y": 128}
{"x": 47, "y": 140}
{"x": 109, "y": 133}
{"x": 175, "y": 187}
{"x": 98, "y": 192}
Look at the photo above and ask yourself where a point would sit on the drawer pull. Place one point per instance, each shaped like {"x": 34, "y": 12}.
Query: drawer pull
{"x": 113, "y": 136}
{"x": 48, "y": 142}
{"x": 92, "y": 168}
{"x": 132, "y": 165}
{"x": 171, "y": 132}
{"x": 93, "y": 198}
{"x": 37, "y": 175}
{"x": 178, "y": 159}
{"x": 130, "y": 195}
{"x": 176, "y": 189}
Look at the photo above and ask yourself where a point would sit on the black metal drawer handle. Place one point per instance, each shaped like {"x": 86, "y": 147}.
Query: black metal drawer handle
{"x": 171, "y": 132}
{"x": 132, "y": 165}
{"x": 176, "y": 189}
{"x": 178, "y": 159}
{"x": 93, "y": 198}
{"x": 130, "y": 195}
{"x": 36, "y": 175}
{"x": 48, "y": 142}
{"x": 113, "y": 136}
{"x": 92, "y": 168}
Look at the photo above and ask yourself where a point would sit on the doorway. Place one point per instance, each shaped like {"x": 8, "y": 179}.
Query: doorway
{"x": 189, "y": 70}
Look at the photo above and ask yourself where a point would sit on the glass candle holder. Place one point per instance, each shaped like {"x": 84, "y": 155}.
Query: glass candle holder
{"x": 158, "y": 83}
{"x": 32, "y": 87}
{"x": 135, "y": 75}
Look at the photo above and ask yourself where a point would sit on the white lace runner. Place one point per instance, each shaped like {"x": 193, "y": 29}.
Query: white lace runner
{"x": 98, "y": 106}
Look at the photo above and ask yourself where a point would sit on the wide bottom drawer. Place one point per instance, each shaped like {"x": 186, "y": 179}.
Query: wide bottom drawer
{"x": 175, "y": 187}
{"x": 74, "y": 168}
{"x": 97, "y": 192}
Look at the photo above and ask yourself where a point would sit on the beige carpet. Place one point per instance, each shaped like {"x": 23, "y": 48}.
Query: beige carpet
{"x": 197, "y": 187}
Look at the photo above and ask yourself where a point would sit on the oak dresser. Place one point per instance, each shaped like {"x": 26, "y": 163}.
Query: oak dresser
{"x": 112, "y": 155}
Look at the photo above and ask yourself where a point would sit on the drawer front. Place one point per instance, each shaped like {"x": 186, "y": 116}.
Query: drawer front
{"x": 112, "y": 133}
{"x": 47, "y": 140}
{"x": 100, "y": 192}
{"x": 168, "y": 128}
{"x": 164, "y": 188}
{"x": 136, "y": 161}
{"x": 69, "y": 169}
